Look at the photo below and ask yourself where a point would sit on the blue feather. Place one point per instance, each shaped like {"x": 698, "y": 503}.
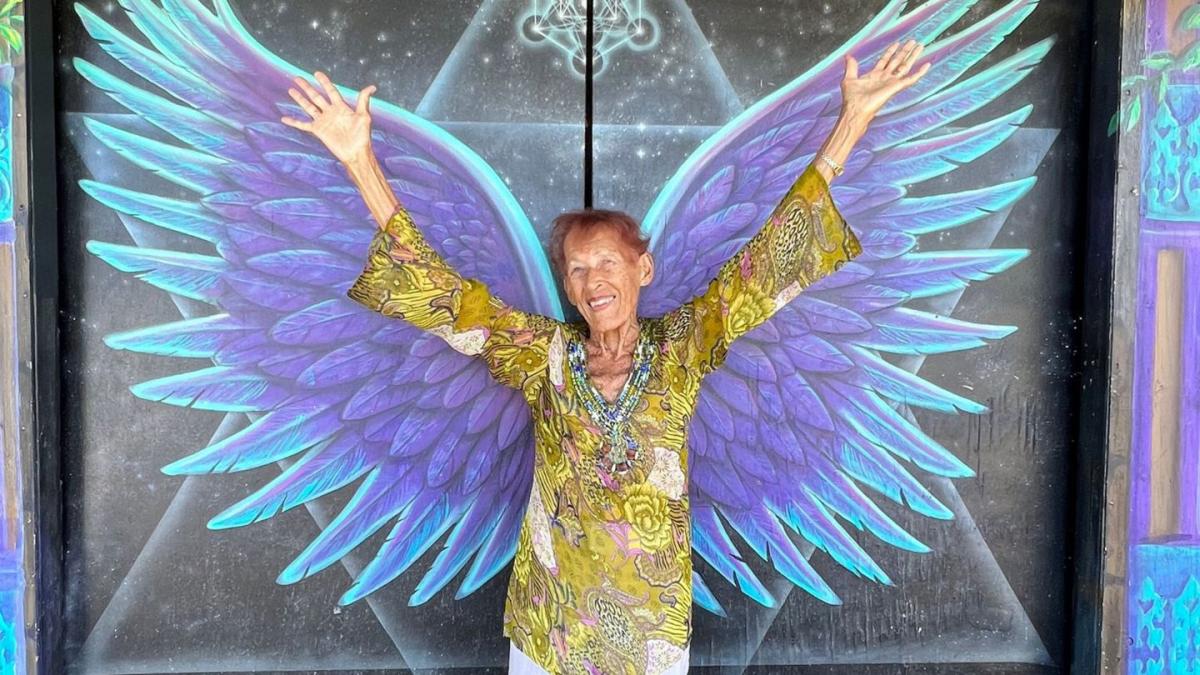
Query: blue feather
{"x": 320, "y": 172}
{"x": 828, "y": 318}
{"x": 165, "y": 36}
{"x": 908, "y": 331}
{"x": 193, "y": 127}
{"x": 323, "y": 469}
{"x": 376, "y": 395}
{"x": 324, "y": 323}
{"x": 272, "y": 293}
{"x": 875, "y": 468}
{"x": 179, "y": 82}
{"x": 811, "y": 519}
{"x": 350, "y": 363}
{"x": 710, "y": 540}
{"x": 481, "y": 464}
{"x": 171, "y": 214}
{"x": 498, "y": 547}
{"x": 150, "y": 20}
{"x": 218, "y": 388}
{"x": 307, "y": 217}
{"x": 847, "y": 500}
{"x": 199, "y": 26}
{"x": 386, "y": 493}
{"x": 884, "y": 427}
{"x": 704, "y": 597}
{"x": 959, "y": 100}
{"x": 924, "y": 275}
{"x": 805, "y": 402}
{"x": 926, "y": 158}
{"x": 196, "y": 171}
{"x": 957, "y": 53}
{"x": 193, "y": 276}
{"x": 936, "y": 17}
{"x": 711, "y": 195}
{"x": 922, "y": 215}
{"x": 200, "y": 337}
{"x": 414, "y": 533}
{"x": 465, "y": 540}
{"x": 277, "y": 435}
{"x": 315, "y": 267}
{"x": 761, "y": 530}
{"x": 904, "y": 387}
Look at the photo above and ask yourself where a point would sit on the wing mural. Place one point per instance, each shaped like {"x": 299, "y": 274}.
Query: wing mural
{"x": 802, "y": 429}
{"x": 434, "y": 445}
{"x": 807, "y": 411}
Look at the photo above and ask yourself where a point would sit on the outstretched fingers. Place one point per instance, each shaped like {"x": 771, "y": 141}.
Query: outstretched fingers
{"x": 335, "y": 96}
{"x": 912, "y": 79}
{"x": 912, "y": 53}
{"x": 851, "y": 67}
{"x": 304, "y": 102}
{"x": 883, "y": 64}
{"x": 364, "y": 98}
{"x": 313, "y": 95}
{"x": 296, "y": 124}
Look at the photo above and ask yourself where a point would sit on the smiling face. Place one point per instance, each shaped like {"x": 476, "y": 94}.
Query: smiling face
{"x": 603, "y": 276}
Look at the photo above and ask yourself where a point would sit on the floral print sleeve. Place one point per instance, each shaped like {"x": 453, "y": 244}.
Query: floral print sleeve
{"x": 804, "y": 239}
{"x": 405, "y": 278}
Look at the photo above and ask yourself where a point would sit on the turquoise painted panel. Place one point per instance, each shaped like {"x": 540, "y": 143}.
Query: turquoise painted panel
{"x": 1172, "y": 165}
{"x": 1164, "y": 612}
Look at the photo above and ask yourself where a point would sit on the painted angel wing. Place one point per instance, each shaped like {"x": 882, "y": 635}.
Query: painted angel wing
{"x": 805, "y": 412}
{"x": 342, "y": 393}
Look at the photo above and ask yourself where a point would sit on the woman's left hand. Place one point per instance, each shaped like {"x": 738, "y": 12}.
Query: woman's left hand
{"x": 863, "y": 97}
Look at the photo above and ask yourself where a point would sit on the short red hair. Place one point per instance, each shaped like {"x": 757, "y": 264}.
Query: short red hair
{"x": 586, "y": 220}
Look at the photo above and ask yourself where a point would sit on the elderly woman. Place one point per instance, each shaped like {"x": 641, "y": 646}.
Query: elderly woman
{"x": 608, "y": 588}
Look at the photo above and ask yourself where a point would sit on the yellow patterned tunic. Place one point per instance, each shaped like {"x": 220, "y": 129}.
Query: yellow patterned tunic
{"x": 602, "y": 577}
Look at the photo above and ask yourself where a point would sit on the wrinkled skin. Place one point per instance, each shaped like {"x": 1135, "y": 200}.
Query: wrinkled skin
{"x": 603, "y": 277}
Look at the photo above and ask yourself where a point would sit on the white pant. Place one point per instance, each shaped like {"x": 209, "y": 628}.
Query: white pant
{"x": 519, "y": 664}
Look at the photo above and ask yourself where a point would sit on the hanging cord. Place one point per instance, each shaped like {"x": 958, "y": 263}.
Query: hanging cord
{"x": 587, "y": 109}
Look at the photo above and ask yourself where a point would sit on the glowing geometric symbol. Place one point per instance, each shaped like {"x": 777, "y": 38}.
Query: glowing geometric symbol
{"x": 563, "y": 23}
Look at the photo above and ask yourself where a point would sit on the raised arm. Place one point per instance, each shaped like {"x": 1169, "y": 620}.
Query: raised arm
{"x": 404, "y": 277}
{"x": 804, "y": 239}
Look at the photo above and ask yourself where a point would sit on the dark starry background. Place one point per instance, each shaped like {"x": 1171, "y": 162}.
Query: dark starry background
{"x": 151, "y": 590}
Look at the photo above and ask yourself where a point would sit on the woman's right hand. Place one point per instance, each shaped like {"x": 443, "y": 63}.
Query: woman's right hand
{"x": 344, "y": 130}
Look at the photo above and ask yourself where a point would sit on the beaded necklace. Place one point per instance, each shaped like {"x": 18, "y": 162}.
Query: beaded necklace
{"x": 623, "y": 449}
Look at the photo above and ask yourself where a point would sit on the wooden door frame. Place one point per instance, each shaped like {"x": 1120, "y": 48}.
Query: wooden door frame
{"x": 43, "y": 480}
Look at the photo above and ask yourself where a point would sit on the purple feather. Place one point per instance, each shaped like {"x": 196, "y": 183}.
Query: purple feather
{"x": 322, "y": 470}
{"x": 218, "y": 388}
{"x": 377, "y": 395}
{"x": 353, "y": 362}
{"x": 323, "y": 323}
{"x": 386, "y": 492}
{"x": 279, "y": 434}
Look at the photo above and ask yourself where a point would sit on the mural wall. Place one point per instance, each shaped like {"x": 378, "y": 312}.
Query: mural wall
{"x": 265, "y": 476}
{"x": 1162, "y": 602}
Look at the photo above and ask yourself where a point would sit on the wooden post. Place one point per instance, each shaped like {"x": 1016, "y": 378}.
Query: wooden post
{"x": 1166, "y": 396}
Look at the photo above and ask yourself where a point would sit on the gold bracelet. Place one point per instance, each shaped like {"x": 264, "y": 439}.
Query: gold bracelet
{"x": 838, "y": 169}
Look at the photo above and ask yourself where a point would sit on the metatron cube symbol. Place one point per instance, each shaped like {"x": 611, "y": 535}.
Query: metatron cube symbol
{"x": 563, "y": 24}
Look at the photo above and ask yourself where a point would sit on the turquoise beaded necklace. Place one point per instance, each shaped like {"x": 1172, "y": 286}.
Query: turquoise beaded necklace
{"x": 623, "y": 448}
